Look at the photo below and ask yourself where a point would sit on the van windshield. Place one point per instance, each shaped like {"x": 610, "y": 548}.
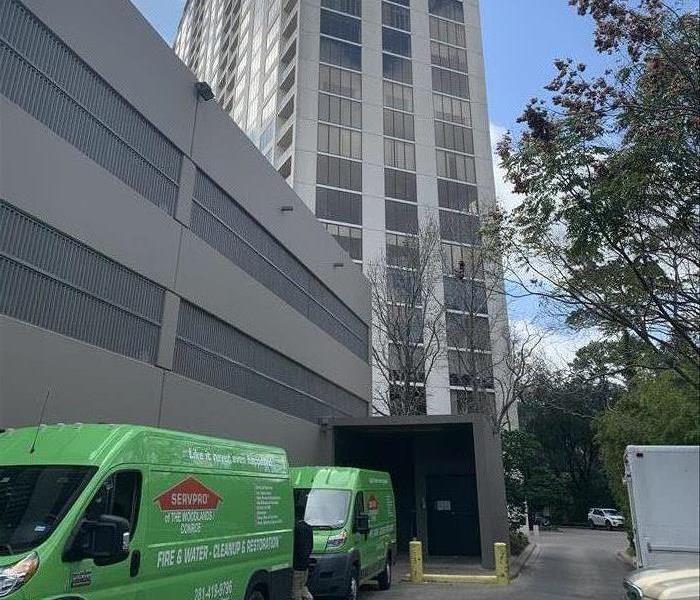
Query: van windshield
{"x": 33, "y": 500}
{"x": 323, "y": 509}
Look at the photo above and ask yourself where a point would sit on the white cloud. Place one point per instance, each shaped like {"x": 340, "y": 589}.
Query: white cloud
{"x": 504, "y": 190}
{"x": 559, "y": 345}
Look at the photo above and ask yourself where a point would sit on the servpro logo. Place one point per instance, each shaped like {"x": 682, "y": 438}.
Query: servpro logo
{"x": 189, "y": 504}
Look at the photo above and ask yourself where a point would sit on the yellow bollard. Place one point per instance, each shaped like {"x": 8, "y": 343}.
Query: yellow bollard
{"x": 500, "y": 551}
{"x": 415, "y": 553}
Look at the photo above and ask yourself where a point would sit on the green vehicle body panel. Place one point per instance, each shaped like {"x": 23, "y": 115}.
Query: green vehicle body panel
{"x": 241, "y": 530}
{"x": 370, "y": 550}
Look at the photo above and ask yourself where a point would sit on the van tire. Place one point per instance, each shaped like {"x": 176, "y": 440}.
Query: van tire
{"x": 384, "y": 579}
{"x": 256, "y": 595}
{"x": 352, "y": 591}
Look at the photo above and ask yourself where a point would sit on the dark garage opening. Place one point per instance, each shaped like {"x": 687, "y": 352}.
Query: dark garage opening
{"x": 434, "y": 476}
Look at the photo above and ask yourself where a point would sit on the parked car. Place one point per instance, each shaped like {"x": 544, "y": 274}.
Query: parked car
{"x": 605, "y": 517}
{"x": 541, "y": 520}
{"x": 663, "y": 584}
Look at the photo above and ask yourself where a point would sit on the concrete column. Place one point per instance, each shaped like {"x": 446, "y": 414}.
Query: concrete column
{"x": 168, "y": 331}
{"x": 183, "y": 209}
{"x": 493, "y": 515}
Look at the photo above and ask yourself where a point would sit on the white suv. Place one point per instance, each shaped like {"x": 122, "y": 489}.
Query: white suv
{"x": 605, "y": 517}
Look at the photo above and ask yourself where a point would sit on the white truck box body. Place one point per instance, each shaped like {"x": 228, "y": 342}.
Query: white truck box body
{"x": 664, "y": 491}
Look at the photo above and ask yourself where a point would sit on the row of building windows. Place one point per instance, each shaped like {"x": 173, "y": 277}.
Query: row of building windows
{"x": 341, "y": 54}
{"x": 398, "y": 96}
{"x": 448, "y": 32}
{"x": 338, "y": 205}
{"x": 341, "y": 111}
{"x": 454, "y": 137}
{"x": 400, "y": 185}
{"x": 341, "y": 26}
{"x": 401, "y": 217}
{"x": 398, "y": 124}
{"x": 340, "y": 141}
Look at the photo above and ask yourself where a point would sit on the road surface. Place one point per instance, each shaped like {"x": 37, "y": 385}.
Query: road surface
{"x": 572, "y": 564}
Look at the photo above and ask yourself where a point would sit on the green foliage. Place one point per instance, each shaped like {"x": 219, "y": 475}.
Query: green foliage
{"x": 659, "y": 411}
{"x": 608, "y": 165}
{"x": 518, "y": 542}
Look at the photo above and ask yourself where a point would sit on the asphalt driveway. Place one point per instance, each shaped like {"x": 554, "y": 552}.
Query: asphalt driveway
{"x": 573, "y": 564}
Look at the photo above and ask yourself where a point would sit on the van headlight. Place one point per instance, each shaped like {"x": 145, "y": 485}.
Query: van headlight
{"x": 15, "y": 576}
{"x": 336, "y": 541}
{"x": 632, "y": 592}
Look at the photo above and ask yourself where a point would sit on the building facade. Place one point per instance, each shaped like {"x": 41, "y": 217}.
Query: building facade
{"x": 374, "y": 111}
{"x": 154, "y": 268}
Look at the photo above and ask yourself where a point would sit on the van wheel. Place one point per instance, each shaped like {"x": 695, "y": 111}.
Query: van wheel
{"x": 384, "y": 579}
{"x": 256, "y": 595}
{"x": 353, "y": 589}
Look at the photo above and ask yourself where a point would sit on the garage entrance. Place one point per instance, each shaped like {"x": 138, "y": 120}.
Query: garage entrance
{"x": 434, "y": 472}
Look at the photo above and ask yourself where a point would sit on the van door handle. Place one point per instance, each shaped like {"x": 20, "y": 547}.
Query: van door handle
{"x": 135, "y": 564}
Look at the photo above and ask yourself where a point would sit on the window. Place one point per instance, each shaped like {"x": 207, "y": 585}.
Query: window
{"x": 455, "y": 166}
{"x": 470, "y": 369}
{"x": 452, "y": 109}
{"x": 349, "y": 239}
{"x": 466, "y": 332}
{"x": 450, "y": 33}
{"x": 454, "y": 137}
{"x": 401, "y": 250}
{"x": 395, "y": 16}
{"x": 401, "y": 155}
{"x": 396, "y": 42}
{"x": 337, "y": 205}
{"x": 449, "y": 82}
{"x": 401, "y": 217}
{"x": 465, "y": 296}
{"x": 399, "y": 69}
{"x": 341, "y": 82}
{"x": 458, "y": 227}
{"x": 398, "y": 96}
{"x": 448, "y": 56}
{"x": 457, "y": 196}
{"x": 339, "y": 141}
{"x": 398, "y": 124}
{"x": 449, "y": 9}
{"x": 416, "y": 400}
{"x": 352, "y": 7}
{"x": 338, "y": 172}
{"x": 400, "y": 185}
{"x": 340, "y": 26}
{"x": 339, "y": 110}
{"x": 34, "y": 500}
{"x": 464, "y": 260}
{"x": 341, "y": 54}
{"x": 118, "y": 496}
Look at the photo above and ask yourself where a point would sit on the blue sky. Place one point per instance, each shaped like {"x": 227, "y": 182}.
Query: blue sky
{"x": 521, "y": 40}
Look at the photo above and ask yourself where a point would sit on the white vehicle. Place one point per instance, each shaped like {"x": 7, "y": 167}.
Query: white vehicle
{"x": 663, "y": 487}
{"x": 605, "y": 517}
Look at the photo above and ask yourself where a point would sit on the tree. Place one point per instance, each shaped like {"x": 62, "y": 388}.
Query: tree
{"x": 559, "y": 411}
{"x": 608, "y": 232}
{"x": 656, "y": 410}
{"x": 407, "y": 320}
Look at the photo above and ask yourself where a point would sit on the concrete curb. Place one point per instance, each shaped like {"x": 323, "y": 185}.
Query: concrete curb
{"x": 630, "y": 561}
{"x": 521, "y": 560}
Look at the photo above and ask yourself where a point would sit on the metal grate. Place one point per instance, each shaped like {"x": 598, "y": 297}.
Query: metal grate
{"x": 55, "y": 282}
{"x": 44, "y": 77}
{"x": 217, "y": 354}
{"x": 222, "y": 223}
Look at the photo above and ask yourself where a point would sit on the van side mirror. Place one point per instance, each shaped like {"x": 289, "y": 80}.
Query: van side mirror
{"x": 105, "y": 540}
{"x": 362, "y": 523}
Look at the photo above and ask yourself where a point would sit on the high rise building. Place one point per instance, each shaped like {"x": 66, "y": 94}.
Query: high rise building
{"x": 375, "y": 112}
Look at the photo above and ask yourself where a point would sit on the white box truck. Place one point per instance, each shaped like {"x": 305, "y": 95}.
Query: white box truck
{"x": 664, "y": 491}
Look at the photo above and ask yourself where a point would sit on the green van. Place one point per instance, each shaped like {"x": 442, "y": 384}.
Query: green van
{"x": 353, "y": 515}
{"x": 98, "y": 512}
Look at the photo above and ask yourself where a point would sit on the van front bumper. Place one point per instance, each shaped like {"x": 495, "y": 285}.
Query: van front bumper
{"x": 328, "y": 574}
